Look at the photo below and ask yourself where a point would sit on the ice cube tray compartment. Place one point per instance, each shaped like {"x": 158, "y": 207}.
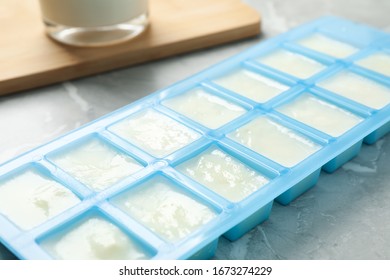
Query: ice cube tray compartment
{"x": 229, "y": 168}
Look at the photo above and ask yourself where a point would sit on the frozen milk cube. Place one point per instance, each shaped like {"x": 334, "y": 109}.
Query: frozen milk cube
{"x": 165, "y": 209}
{"x": 28, "y": 199}
{"x": 328, "y": 46}
{"x": 274, "y": 141}
{"x": 320, "y": 114}
{"x": 93, "y": 239}
{"x": 292, "y": 63}
{"x": 378, "y": 62}
{"x": 96, "y": 164}
{"x": 208, "y": 109}
{"x": 154, "y": 132}
{"x": 358, "y": 88}
{"x": 223, "y": 174}
{"x": 251, "y": 85}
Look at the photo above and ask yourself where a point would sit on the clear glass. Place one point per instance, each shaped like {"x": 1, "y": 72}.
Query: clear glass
{"x": 94, "y": 23}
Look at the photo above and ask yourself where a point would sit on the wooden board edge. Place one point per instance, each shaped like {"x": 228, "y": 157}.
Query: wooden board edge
{"x": 36, "y": 80}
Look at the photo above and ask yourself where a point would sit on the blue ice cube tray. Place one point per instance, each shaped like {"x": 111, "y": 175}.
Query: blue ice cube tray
{"x": 232, "y": 218}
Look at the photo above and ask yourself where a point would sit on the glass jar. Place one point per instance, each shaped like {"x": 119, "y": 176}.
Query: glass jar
{"x": 94, "y": 22}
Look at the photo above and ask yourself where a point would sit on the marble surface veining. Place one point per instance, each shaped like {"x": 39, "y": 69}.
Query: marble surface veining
{"x": 346, "y": 216}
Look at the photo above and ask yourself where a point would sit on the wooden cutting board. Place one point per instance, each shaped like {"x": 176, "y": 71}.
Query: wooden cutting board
{"x": 29, "y": 59}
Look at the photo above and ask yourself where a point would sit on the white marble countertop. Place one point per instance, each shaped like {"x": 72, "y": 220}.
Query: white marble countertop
{"x": 346, "y": 216}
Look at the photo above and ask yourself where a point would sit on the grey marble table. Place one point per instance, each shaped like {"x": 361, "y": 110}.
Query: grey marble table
{"x": 346, "y": 216}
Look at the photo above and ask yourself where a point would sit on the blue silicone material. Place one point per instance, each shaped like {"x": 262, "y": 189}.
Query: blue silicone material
{"x": 233, "y": 219}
